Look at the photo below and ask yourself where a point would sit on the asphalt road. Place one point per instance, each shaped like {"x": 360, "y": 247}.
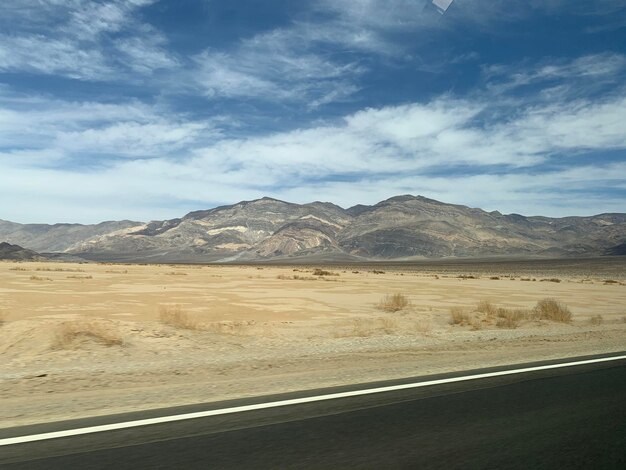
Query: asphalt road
{"x": 564, "y": 418}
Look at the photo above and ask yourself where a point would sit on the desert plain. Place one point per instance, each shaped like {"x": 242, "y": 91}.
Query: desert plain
{"x": 86, "y": 339}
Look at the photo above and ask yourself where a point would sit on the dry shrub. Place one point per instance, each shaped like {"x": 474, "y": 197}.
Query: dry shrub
{"x": 554, "y": 279}
{"x": 39, "y": 278}
{"x": 393, "y": 303}
{"x": 69, "y": 333}
{"x": 388, "y": 325}
{"x": 486, "y": 314}
{"x": 596, "y": 320}
{"x": 486, "y": 307}
{"x": 175, "y": 273}
{"x": 66, "y": 270}
{"x": 296, "y": 277}
{"x": 423, "y": 325}
{"x": 229, "y": 327}
{"x": 458, "y": 316}
{"x": 611, "y": 281}
{"x": 553, "y": 310}
{"x": 494, "y": 278}
{"x": 467, "y": 276}
{"x": 511, "y": 318}
{"x": 79, "y": 277}
{"x": 362, "y": 327}
{"x": 17, "y": 268}
{"x": 365, "y": 327}
{"x": 174, "y": 315}
{"x": 321, "y": 272}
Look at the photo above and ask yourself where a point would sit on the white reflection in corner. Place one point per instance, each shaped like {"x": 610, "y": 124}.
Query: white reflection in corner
{"x": 442, "y": 5}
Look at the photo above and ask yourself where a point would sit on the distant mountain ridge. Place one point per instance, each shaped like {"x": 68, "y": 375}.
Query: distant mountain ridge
{"x": 17, "y": 253}
{"x": 402, "y": 227}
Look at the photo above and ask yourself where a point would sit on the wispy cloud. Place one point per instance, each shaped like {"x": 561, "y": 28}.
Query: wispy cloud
{"x": 80, "y": 39}
{"x": 479, "y": 150}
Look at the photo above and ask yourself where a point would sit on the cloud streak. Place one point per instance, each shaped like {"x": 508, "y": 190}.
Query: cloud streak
{"x": 443, "y": 147}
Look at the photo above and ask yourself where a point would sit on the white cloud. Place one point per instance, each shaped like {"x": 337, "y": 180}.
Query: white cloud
{"x": 34, "y": 126}
{"x": 450, "y": 149}
{"x": 81, "y": 39}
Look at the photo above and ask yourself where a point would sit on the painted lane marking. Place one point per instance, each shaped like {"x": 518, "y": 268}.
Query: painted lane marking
{"x": 294, "y": 401}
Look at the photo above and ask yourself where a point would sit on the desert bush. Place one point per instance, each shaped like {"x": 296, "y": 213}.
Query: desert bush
{"x": 296, "y": 277}
{"x": 365, "y": 327}
{"x": 486, "y": 307}
{"x": 174, "y": 315}
{"x": 393, "y": 303}
{"x": 377, "y": 272}
{"x": 553, "y": 279}
{"x": 611, "y": 281}
{"x": 388, "y": 325}
{"x": 39, "y": 278}
{"x": 494, "y": 278}
{"x": 467, "y": 276}
{"x": 596, "y": 320}
{"x": 17, "y": 268}
{"x": 553, "y": 310}
{"x": 229, "y": 327}
{"x": 458, "y": 316}
{"x": 79, "y": 277}
{"x": 69, "y": 332}
{"x": 175, "y": 273}
{"x": 322, "y": 272}
{"x": 511, "y": 318}
{"x": 423, "y": 325}
{"x": 66, "y": 270}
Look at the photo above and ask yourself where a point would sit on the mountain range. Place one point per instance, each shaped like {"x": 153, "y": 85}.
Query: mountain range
{"x": 400, "y": 228}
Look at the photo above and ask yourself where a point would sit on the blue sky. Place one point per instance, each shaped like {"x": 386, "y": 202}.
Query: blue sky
{"x": 148, "y": 109}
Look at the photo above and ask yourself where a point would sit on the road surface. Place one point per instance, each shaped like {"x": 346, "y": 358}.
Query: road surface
{"x": 563, "y": 417}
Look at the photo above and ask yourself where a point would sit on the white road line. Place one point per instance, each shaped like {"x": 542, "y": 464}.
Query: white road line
{"x": 295, "y": 401}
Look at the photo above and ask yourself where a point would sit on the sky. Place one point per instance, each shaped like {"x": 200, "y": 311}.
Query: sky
{"x": 149, "y": 109}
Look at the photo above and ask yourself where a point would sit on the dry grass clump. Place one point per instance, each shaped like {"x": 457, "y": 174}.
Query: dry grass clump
{"x": 66, "y": 270}
{"x": 553, "y": 310}
{"x": 553, "y": 279}
{"x": 229, "y": 327}
{"x": 366, "y": 327}
{"x": 495, "y": 278}
{"x": 393, "y": 303}
{"x": 175, "y": 273}
{"x": 17, "y": 268}
{"x": 322, "y": 272}
{"x": 423, "y": 325}
{"x": 467, "y": 276}
{"x": 458, "y": 316}
{"x": 70, "y": 333}
{"x": 296, "y": 277}
{"x": 174, "y": 315}
{"x": 486, "y": 314}
{"x": 596, "y": 320}
{"x": 486, "y": 307}
{"x": 79, "y": 277}
{"x": 39, "y": 278}
{"x": 511, "y": 318}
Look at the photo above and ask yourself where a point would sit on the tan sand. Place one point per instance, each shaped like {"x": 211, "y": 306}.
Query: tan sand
{"x": 88, "y": 339}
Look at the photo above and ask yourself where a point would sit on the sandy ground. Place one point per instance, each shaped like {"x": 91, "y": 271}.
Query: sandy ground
{"x": 87, "y": 339}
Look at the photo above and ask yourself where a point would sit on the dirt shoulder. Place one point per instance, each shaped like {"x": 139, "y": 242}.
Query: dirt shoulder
{"x": 86, "y": 340}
